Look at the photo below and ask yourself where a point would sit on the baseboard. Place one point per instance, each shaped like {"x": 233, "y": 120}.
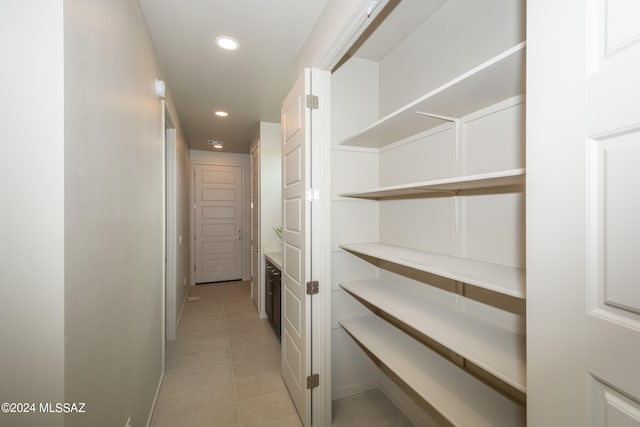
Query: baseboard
{"x": 184, "y": 300}
{"x": 353, "y": 390}
{"x": 155, "y": 399}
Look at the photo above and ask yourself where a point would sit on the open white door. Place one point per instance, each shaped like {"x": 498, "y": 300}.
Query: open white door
{"x": 613, "y": 132}
{"x": 583, "y": 158}
{"x": 301, "y": 222}
{"x": 296, "y": 332}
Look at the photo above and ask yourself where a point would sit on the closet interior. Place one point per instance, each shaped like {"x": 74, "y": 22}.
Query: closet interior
{"x": 428, "y": 212}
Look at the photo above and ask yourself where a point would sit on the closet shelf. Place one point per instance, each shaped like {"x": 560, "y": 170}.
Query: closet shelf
{"x": 454, "y": 186}
{"x": 495, "y": 80}
{"x": 456, "y": 395}
{"x": 494, "y": 349}
{"x": 497, "y": 278}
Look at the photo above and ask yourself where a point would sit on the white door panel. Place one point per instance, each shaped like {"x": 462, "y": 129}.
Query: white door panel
{"x": 296, "y": 336}
{"x": 613, "y": 117}
{"x": 305, "y": 240}
{"x": 218, "y": 223}
{"x": 612, "y": 409}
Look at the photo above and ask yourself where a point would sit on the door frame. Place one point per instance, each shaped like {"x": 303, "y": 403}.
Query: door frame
{"x": 325, "y": 48}
{"x": 207, "y": 158}
{"x": 258, "y": 287}
{"x": 170, "y": 191}
{"x": 557, "y": 381}
{"x": 325, "y": 51}
{"x": 321, "y": 397}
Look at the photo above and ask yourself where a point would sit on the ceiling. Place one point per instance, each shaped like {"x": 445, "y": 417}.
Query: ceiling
{"x": 249, "y": 83}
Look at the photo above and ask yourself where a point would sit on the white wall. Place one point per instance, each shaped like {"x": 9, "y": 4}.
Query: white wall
{"x": 113, "y": 213}
{"x": 269, "y": 146}
{"x": 32, "y": 212}
{"x": 459, "y": 36}
{"x": 82, "y": 279}
{"x": 244, "y": 160}
{"x": 326, "y": 41}
{"x": 270, "y": 186}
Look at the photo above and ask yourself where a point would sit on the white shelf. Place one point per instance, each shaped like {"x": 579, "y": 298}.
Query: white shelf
{"x": 496, "y": 350}
{"x": 455, "y": 394}
{"x": 498, "y": 79}
{"x": 457, "y": 185}
{"x": 497, "y": 278}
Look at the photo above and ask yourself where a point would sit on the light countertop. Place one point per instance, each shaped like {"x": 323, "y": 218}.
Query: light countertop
{"x": 275, "y": 258}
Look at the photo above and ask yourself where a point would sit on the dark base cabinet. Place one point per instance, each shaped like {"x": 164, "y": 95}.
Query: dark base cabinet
{"x": 273, "y": 300}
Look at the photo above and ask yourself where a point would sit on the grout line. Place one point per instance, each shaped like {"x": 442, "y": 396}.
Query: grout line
{"x": 233, "y": 372}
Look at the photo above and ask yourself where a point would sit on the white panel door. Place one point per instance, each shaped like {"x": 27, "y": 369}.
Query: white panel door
{"x": 218, "y": 223}
{"x": 296, "y": 321}
{"x": 613, "y": 237}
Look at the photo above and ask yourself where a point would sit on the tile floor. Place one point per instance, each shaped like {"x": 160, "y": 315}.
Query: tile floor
{"x": 369, "y": 409}
{"x": 224, "y": 370}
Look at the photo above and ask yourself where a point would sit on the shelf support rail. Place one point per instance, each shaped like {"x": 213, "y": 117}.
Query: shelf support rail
{"x": 458, "y": 129}
{"x": 459, "y": 170}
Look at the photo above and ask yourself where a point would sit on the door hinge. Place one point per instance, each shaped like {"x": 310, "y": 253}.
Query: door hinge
{"x": 194, "y": 268}
{"x": 313, "y": 381}
{"x": 312, "y": 102}
{"x": 312, "y": 195}
{"x": 313, "y": 287}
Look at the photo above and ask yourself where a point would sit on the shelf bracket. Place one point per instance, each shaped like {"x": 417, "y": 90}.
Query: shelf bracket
{"x": 430, "y": 191}
{"x": 459, "y": 144}
{"x": 460, "y": 288}
{"x": 458, "y": 129}
{"x": 438, "y": 116}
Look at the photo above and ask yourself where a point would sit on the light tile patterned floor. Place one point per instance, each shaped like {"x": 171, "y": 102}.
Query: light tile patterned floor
{"x": 224, "y": 370}
{"x": 369, "y": 409}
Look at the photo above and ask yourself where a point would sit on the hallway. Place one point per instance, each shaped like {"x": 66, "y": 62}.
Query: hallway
{"x": 224, "y": 367}
{"x": 223, "y": 370}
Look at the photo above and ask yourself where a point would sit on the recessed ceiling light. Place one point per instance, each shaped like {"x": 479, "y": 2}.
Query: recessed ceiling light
{"x": 228, "y": 43}
{"x": 221, "y": 113}
{"x": 215, "y": 144}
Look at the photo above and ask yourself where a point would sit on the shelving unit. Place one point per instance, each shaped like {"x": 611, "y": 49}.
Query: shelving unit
{"x": 497, "y": 278}
{"x": 457, "y": 396}
{"x": 469, "y": 130}
{"x": 495, "y": 80}
{"x": 453, "y": 186}
{"x": 496, "y": 350}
